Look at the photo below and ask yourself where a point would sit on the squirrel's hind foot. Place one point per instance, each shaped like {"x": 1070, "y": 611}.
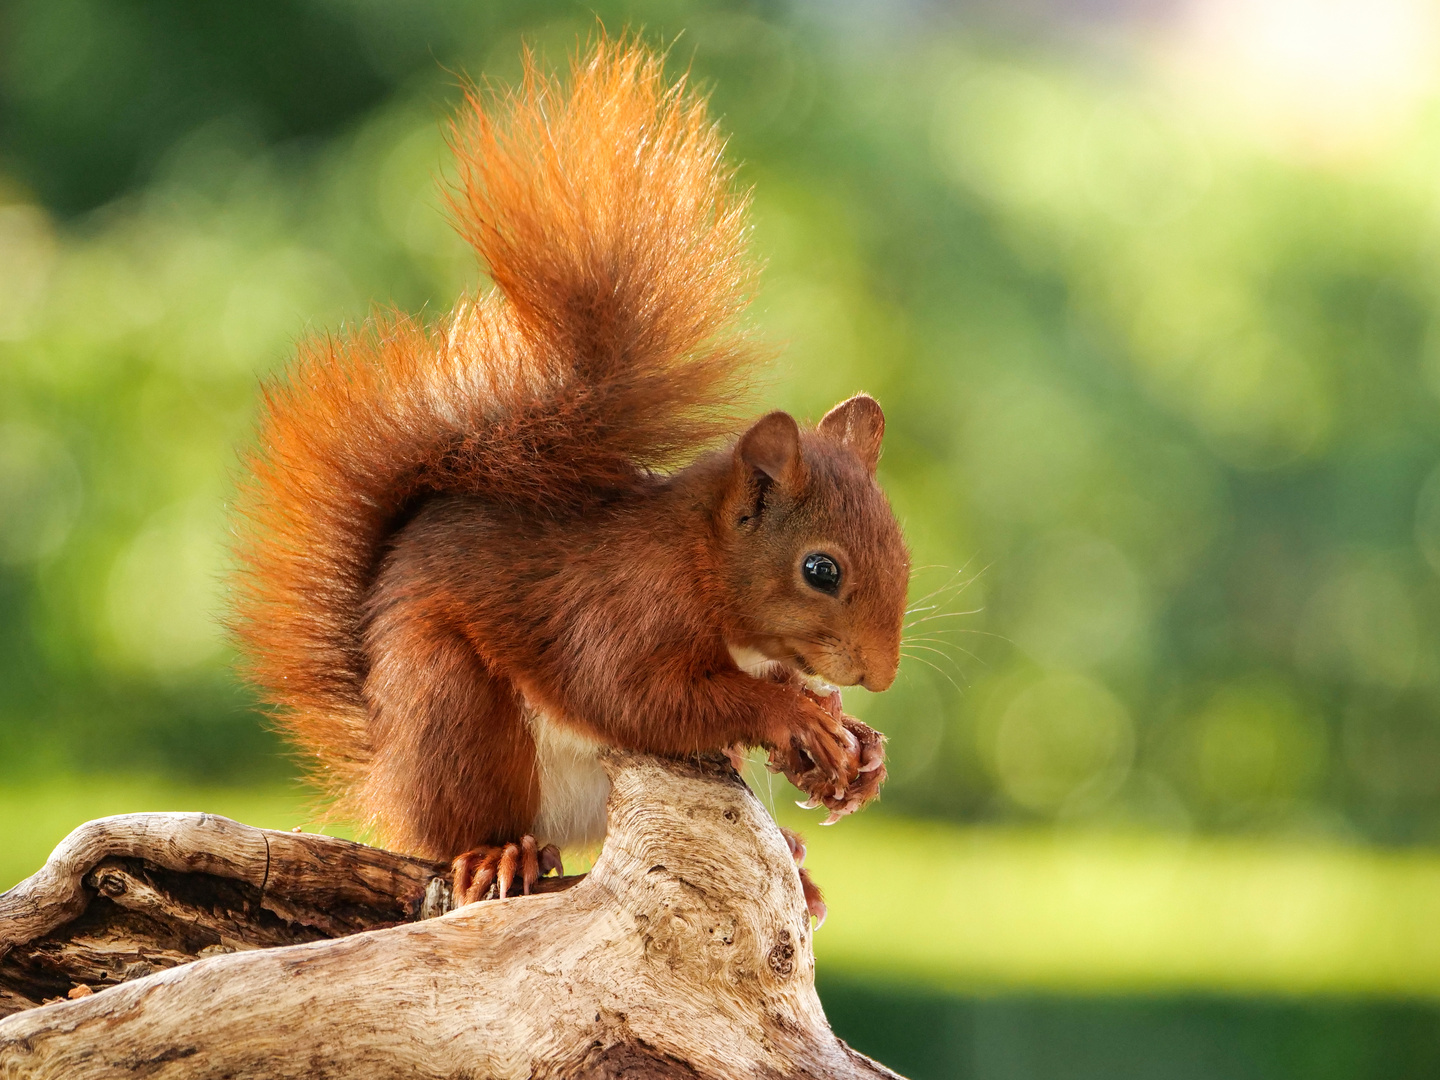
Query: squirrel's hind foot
{"x": 498, "y": 865}
{"x": 814, "y": 899}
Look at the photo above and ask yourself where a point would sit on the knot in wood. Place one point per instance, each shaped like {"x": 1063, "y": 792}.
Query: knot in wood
{"x": 111, "y": 884}
{"x": 782, "y": 956}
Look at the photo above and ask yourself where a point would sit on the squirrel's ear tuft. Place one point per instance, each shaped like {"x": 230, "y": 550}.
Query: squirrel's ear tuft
{"x": 772, "y": 447}
{"x": 858, "y": 423}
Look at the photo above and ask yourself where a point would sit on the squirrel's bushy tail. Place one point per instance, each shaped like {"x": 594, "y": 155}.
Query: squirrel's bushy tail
{"x": 607, "y": 219}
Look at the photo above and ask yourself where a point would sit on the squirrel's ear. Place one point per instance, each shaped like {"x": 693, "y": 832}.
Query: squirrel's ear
{"x": 859, "y": 424}
{"x": 772, "y": 447}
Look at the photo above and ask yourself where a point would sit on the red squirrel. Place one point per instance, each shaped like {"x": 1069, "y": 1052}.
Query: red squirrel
{"x": 474, "y": 553}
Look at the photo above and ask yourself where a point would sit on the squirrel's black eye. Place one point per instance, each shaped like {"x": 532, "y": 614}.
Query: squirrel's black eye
{"x": 821, "y": 571}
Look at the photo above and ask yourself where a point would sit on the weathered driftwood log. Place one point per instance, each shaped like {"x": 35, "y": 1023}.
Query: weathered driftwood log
{"x": 127, "y": 896}
{"x": 242, "y": 952}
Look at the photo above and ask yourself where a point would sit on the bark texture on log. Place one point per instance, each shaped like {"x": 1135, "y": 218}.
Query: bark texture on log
{"x": 685, "y": 952}
{"x": 124, "y": 897}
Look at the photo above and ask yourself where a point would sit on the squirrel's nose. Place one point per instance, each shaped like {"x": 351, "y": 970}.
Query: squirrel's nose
{"x": 878, "y": 678}
{"x": 876, "y": 685}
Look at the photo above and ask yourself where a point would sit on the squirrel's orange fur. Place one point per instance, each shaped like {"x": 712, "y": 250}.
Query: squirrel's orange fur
{"x": 469, "y": 553}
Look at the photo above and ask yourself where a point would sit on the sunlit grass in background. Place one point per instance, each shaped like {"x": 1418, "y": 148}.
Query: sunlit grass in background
{"x": 986, "y": 909}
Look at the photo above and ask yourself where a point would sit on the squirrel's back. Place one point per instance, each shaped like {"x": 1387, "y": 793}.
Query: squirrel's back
{"x": 607, "y": 219}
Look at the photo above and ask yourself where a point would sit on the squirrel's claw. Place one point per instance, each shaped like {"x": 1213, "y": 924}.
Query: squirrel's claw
{"x": 474, "y": 874}
{"x": 796, "y": 843}
{"x": 814, "y": 899}
{"x": 480, "y": 869}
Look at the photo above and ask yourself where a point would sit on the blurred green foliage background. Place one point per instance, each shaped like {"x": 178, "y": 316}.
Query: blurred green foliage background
{"x": 1151, "y": 296}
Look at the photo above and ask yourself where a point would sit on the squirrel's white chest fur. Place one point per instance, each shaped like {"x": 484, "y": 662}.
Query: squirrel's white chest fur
{"x": 573, "y": 785}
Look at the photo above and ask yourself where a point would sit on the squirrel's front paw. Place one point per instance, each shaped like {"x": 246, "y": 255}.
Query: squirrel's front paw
{"x": 854, "y": 783}
{"x": 480, "y": 868}
{"x": 814, "y": 750}
{"x": 819, "y": 754}
{"x": 870, "y": 773}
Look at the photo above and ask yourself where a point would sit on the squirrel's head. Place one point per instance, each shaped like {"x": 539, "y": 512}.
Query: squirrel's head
{"x": 814, "y": 561}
